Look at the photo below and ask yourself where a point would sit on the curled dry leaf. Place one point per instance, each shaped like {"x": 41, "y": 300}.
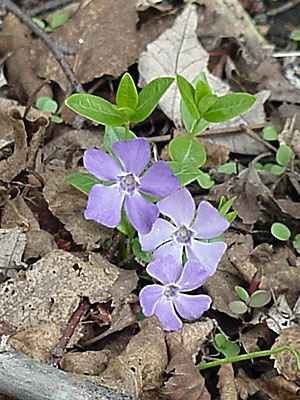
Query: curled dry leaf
{"x": 142, "y": 364}
{"x": 186, "y": 382}
{"x": 85, "y": 363}
{"x": 226, "y": 383}
{"x": 68, "y": 205}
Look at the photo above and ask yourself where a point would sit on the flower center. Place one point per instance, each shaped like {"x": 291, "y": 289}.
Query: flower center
{"x": 171, "y": 292}
{"x": 128, "y": 183}
{"x": 183, "y": 235}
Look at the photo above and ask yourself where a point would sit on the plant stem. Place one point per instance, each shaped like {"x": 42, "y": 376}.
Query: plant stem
{"x": 123, "y": 250}
{"x": 264, "y": 353}
{"x": 127, "y": 130}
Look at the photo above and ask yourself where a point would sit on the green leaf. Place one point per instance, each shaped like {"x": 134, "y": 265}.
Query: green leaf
{"x": 186, "y": 173}
{"x": 231, "y": 216}
{"x": 127, "y": 95}
{"x": 139, "y": 253}
{"x": 204, "y": 180}
{"x": 125, "y": 226}
{"x": 295, "y": 35}
{"x": 58, "y": 19}
{"x": 283, "y": 155}
{"x": 277, "y": 169}
{"x": 192, "y": 126}
{"x": 202, "y": 90}
{"x": 220, "y": 340}
{"x": 238, "y": 307}
{"x": 113, "y": 134}
{"x": 258, "y": 166}
{"x": 40, "y": 23}
{"x": 82, "y": 181}
{"x": 225, "y": 206}
{"x": 187, "y": 94}
{"x": 280, "y": 231}
{"x": 270, "y": 132}
{"x": 56, "y": 119}
{"x": 149, "y": 98}
{"x": 95, "y": 108}
{"x": 206, "y": 103}
{"x": 45, "y": 103}
{"x": 229, "y": 168}
{"x": 296, "y": 242}
{"x": 187, "y": 150}
{"x": 229, "y": 106}
{"x": 259, "y": 298}
{"x": 229, "y": 349}
{"x": 242, "y": 293}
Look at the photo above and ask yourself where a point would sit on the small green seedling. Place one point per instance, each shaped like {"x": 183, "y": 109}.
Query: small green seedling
{"x": 45, "y": 103}
{"x": 224, "y": 208}
{"x": 282, "y": 232}
{"x": 258, "y": 299}
{"x": 228, "y": 168}
{"x": 283, "y": 158}
{"x": 270, "y": 132}
{"x": 295, "y": 35}
{"x": 56, "y": 21}
{"x": 229, "y": 349}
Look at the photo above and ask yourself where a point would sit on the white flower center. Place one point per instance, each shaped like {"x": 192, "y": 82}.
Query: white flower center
{"x": 128, "y": 183}
{"x": 183, "y": 235}
{"x": 171, "y": 292}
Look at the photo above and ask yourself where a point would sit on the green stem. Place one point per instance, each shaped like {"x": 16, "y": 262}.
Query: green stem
{"x": 123, "y": 250}
{"x": 264, "y": 353}
{"x": 127, "y": 130}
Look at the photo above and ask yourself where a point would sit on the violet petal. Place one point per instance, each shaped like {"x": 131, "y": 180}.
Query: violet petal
{"x": 165, "y": 312}
{"x": 134, "y": 154}
{"x": 208, "y": 254}
{"x": 192, "y": 306}
{"x": 193, "y": 276}
{"x": 159, "y": 180}
{"x": 209, "y": 223}
{"x": 165, "y": 269}
{"x": 101, "y": 164}
{"x": 141, "y": 213}
{"x": 169, "y": 248}
{"x": 161, "y": 232}
{"x": 104, "y": 205}
{"x": 149, "y": 297}
{"x": 179, "y": 206}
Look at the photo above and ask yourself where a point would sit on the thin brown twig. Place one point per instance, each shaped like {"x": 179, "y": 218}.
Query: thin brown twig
{"x": 231, "y": 129}
{"x": 283, "y": 8}
{"x": 255, "y": 136}
{"x": 57, "y": 50}
{"x": 49, "y": 6}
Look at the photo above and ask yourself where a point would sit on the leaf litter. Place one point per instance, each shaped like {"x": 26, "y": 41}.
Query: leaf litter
{"x": 38, "y": 301}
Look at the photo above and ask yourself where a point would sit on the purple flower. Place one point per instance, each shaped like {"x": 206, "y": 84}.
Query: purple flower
{"x": 168, "y": 300}
{"x": 105, "y": 202}
{"x": 182, "y": 233}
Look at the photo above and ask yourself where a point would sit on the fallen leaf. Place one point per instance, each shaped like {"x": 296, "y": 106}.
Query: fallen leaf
{"x": 226, "y": 383}
{"x": 68, "y": 205}
{"x": 85, "y": 363}
{"x": 281, "y": 316}
{"x": 186, "y": 382}
{"x": 12, "y": 246}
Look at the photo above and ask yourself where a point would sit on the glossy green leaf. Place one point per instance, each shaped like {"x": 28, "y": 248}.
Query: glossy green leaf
{"x": 204, "y": 180}
{"x": 242, "y": 293}
{"x": 127, "y": 95}
{"x": 283, "y": 155}
{"x": 238, "y": 307}
{"x": 202, "y": 90}
{"x": 82, "y": 181}
{"x": 277, "y": 169}
{"x": 270, "y": 132}
{"x": 220, "y": 340}
{"x": 56, "y": 119}
{"x": 45, "y": 103}
{"x": 296, "y": 242}
{"x": 231, "y": 216}
{"x": 113, "y": 134}
{"x": 95, "y": 108}
{"x": 225, "y": 205}
{"x": 206, "y": 103}
{"x": 59, "y": 19}
{"x": 280, "y": 231}
{"x": 187, "y": 150}
{"x": 139, "y": 253}
{"x": 186, "y": 173}
{"x": 192, "y": 126}
{"x": 40, "y": 23}
{"x": 149, "y": 98}
{"x": 229, "y": 349}
{"x": 187, "y": 94}
{"x": 229, "y": 168}
{"x": 229, "y": 106}
{"x": 259, "y": 298}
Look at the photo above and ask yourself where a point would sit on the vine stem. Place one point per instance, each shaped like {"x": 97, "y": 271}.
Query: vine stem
{"x": 263, "y": 353}
{"x": 126, "y": 130}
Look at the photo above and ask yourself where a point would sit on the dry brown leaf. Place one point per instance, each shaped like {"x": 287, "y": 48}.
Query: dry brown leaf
{"x": 142, "y": 364}
{"x": 12, "y": 246}
{"x": 250, "y": 339}
{"x": 285, "y": 362}
{"x": 226, "y": 383}
{"x": 186, "y": 383}
{"x": 68, "y": 205}
{"x": 239, "y": 254}
{"x": 104, "y": 36}
{"x": 290, "y": 207}
{"x": 85, "y": 363}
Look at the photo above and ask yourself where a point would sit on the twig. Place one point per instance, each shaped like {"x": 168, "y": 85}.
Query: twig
{"x": 57, "y": 50}
{"x": 254, "y": 136}
{"x": 113, "y": 248}
{"x": 283, "y": 8}
{"x": 50, "y": 6}
{"x": 280, "y": 54}
{"x": 231, "y": 129}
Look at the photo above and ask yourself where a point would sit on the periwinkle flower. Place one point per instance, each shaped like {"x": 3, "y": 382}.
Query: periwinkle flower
{"x": 126, "y": 184}
{"x": 184, "y": 232}
{"x": 168, "y": 300}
